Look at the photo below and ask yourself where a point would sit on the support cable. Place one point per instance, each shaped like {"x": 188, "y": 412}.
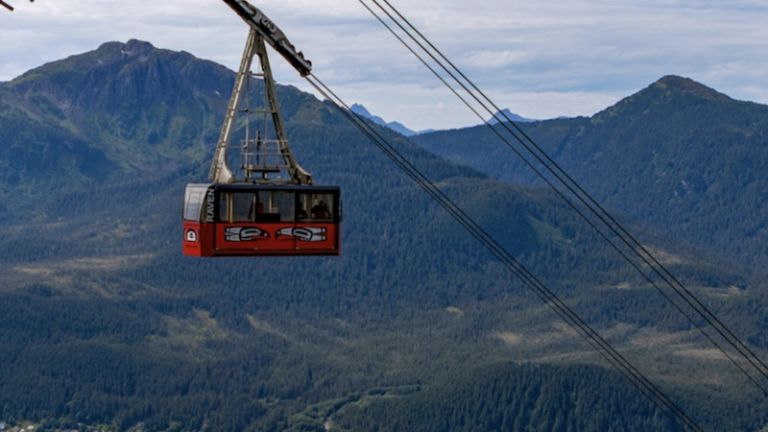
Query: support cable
{"x": 616, "y": 359}
{"x": 585, "y": 198}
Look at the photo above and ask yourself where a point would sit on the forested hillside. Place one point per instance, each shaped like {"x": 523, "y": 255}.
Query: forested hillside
{"x": 103, "y": 322}
{"x": 508, "y": 397}
{"x": 677, "y": 156}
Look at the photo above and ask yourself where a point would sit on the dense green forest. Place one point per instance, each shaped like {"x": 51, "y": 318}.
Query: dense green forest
{"x": 677, "y": 156}
{"x": 103, "y": 322}
{"x": 506, "y": 397}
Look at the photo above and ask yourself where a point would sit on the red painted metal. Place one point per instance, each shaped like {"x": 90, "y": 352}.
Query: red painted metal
{"x": 257, "y": 239}
{"x": 210, "y": 237}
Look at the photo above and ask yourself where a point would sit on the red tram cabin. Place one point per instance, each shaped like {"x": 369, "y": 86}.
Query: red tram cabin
{"x": 274, "y": 207}
{"x": 248, "y": 220}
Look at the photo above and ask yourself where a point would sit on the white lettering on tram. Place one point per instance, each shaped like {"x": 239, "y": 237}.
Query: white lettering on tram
{"x": 210, "y": 208}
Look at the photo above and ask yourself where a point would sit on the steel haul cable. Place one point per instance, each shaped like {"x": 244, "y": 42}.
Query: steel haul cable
{"x": 609, "y": 221}
{"x": 615, "y": 358}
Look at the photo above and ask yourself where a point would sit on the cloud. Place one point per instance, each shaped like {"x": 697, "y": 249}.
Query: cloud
{"x": 541, "y": 59}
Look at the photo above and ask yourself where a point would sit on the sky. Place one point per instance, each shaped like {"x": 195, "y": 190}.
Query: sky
{"x": 541, "y": 59}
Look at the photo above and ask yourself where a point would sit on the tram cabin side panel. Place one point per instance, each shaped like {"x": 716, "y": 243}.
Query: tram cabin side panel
{"x": 241, "y": 220}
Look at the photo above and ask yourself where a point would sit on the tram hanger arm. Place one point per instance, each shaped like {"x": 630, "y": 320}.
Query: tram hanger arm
{"x": 271, "y": 34}
{"x": 7, "y": 6}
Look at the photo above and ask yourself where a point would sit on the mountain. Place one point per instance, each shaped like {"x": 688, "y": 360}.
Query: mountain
{"x": 104, "y": 323}
{"x": 509, "y": 115}
{"x": 678, "y": 157}
{"x": 395, "y": 126}
{"x": 102, "y": 103}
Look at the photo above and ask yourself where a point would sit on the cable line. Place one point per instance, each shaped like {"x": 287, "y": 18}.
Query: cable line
{"x": 603, "y": 347}
{"x": 578, "y": 192}
{"x": 571, "y": 204}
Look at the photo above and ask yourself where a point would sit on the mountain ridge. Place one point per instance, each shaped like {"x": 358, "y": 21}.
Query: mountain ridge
{"x": 665, "y": 90}
{"x": 62, "y": 91}
{"x": 688, "y": 155}
{"x": 394, "y": 125}
{"x": 108, "y": 323}
{"x": 506, "y": 113}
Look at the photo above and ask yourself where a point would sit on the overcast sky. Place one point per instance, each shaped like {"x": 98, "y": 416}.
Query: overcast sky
{"x": 541, "y": 58}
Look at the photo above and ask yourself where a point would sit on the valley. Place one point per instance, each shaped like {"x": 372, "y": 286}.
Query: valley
{"x": 104, "y": 322}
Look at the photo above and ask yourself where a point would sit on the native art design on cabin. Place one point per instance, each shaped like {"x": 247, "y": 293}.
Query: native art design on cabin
{"x": 240, "y": 234}
{"x": 271, "y": 206}
{"x": 303, "y": 234}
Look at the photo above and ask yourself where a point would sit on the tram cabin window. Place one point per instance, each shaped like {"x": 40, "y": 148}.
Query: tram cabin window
{"x": 315, "y": 207}
{"x": 194, "y": 204}
{"x": 261, "y": 206}
{"x": 276, "y": 206}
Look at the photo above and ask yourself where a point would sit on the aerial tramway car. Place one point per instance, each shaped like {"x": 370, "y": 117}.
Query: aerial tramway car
{"x": 274, "y": 209}
{"x": 242, "y": 219}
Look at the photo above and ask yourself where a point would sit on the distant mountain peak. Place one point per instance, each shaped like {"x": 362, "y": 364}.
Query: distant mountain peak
{"x": 675, "y": 80}
{"x": 133, "y": 46}
{"x": 109, "y": 54}
{"x": 118, "y": 71}
{"x": 394, "y": 125}
{"x": 136, "y": 44}
{"x": 671, "y": 93}
{"x": 683, "y": 85}
{"x": 363, "y": 111}
{"x": 119, "y": 52}
{"x": 507, "y": 114}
